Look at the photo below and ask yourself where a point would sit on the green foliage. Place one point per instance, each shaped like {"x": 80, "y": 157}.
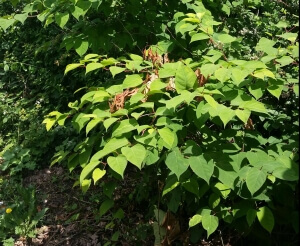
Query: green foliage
{"x": 198, "y": 96}
{"x": 15, "y": 159}
{"x": 18, "y": 214}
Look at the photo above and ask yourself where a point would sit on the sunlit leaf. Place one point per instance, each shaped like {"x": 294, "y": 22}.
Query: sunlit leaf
{"x": 98, "y": 174}
{"x": 210, "y": 223}
{"x": 118, "y": 164}
{"x": 61, "y": 19}
{"x": 266, "y": 218}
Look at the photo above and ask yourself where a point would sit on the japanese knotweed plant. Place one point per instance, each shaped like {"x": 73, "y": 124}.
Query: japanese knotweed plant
{"x": 205, "y": 123}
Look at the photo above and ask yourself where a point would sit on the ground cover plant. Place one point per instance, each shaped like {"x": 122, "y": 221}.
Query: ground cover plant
{"x": 191, "y": 107}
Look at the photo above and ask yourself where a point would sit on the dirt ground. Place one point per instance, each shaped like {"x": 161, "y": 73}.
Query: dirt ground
{"x": 70, "y": 218}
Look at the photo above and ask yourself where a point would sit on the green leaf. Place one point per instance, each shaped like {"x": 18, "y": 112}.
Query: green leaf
{"x": 195, "y": 220}
{"x": 137, "y": 115}
{"x": 214, "y": 57}
{"x": 214, "y": 200}
{"x": 6, "y": 68}
{"x": 185, "y": 79}
{"x": 171, "y": 184}
{"x": 119, "y": 214}
{"x": 238, "y": 75}
{"x": 192, "y": 148}
{"x": 73, "y": 162}
{"x": 108, "y": 122}
{"x": 199, "y": 36}
{"x": 226, "y": 38}
{"x": 91, "y": 56}
{"x": 282, "y": 24}
{"x": 105, "y": 206}
{"x": 208, "y": 69}
{"x": 133, "y": 80}
{"x": 124, "y": 126}
{"x": 98, "y": 174}
{"x": 111, "y": 146}
{"x": 61, "y": 19}
{"x": 14, "y": 3}
{"x": 236, "y": 160}
{"x": 262, "y": 73}
{"x": 289, "y": 36}
{"x": 251, "y": 215}
{"x": 134, "y": 65}
{"x": 115, "y": 236}
{"x": 109, "y": 61}
{"x": 93, "y": 66}
{"x": 85, "y": 185}
{"x": 101, "y": 96}
{"x": 151, "y": 157}
{"x": 252, "y": 65}
{"x": 222, "y": 74}
{"x": 221, "y": 189}
{"x": 149, "y": 105}
{"x": 261, "y": 159}
{"x": 135, "y": 154}
{"x": 72, "y": 67}
{"x": 157, "y": 85}
{"x": 88, "y": 169}
{"x": 6, "y": 23}
{"x": 87, "y": 96}
{"x": 192, "y": 186}
{"x": 109, "y": 188}
{"x": 184, "y": 27}
{"x": 226, "y": 114}
{"x": 201, "y": 167}
{"x": 135, "y": 57}
{"x": 210, "y": 223}
{"x": 163, "y": 47}
{"x": 257, "y": 89}
{"x": 275, "y": 90}
{"x": 176, "y": 162}
{"x": 79, "y": 121}
{"x": 118, "y": 164}
{"x": 116, "y": 70}
{"x": 92, "y": 124}
{"x": 266, "y": 45}
{"x": 268, "y": 58}
{"x": 191, "y": 19}
{"x": 253, "y": 105}
{"x": 81, "y": 8}
{"x": 186, "y": 96}
{"x": 295, "y": 51}
{"x": 285, "y": 60}
{"x": 21, "y": 17}
{"x": 255, "y": 179}
{"x": 243, "y": 115}
{"x": 289, "y": 174}
{"x": 82, "y": 48}
{"x": 226, "y": 9}
{"x": 49, "y": 123}
{"x": 266, "y": 218}
{"x": 169, "y": 137}
{"x": 84, "y": 155}
{"x": 136, "y": 98}
{"x": 149, "y": 139}
{"x": 168, "y": 70}
{"x": 211, "y": 101}
{"x": 226, "y": 175}
{"x": 159, "y": 233}
{"x": 43, "y": 15}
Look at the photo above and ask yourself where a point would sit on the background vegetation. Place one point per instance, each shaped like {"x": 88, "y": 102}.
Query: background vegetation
{"x": 193, "y": 103}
